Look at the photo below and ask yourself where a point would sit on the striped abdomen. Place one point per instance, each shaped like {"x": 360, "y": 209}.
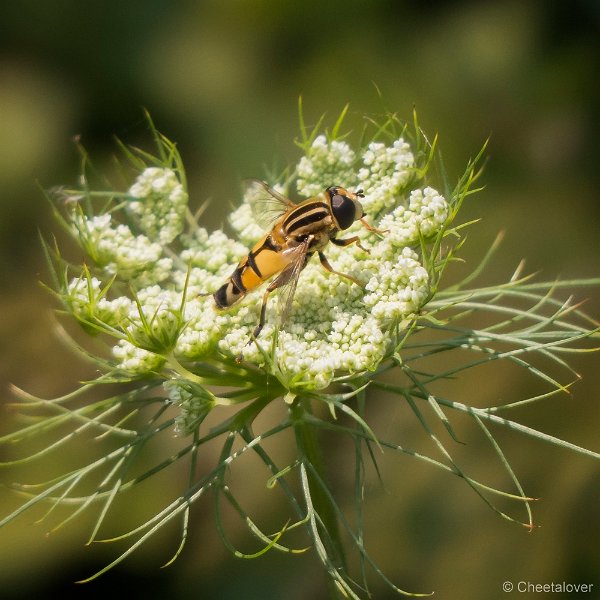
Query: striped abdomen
{"x": 261, "y": 263}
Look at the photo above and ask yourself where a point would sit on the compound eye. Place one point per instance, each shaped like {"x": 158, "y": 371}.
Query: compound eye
{"x": 344, "y": 210}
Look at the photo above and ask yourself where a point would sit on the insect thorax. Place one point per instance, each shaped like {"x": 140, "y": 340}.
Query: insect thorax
{"x": 307, "y": 218}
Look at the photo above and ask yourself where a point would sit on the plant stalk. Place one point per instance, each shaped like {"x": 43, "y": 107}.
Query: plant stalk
{"x": 323, "y": 505}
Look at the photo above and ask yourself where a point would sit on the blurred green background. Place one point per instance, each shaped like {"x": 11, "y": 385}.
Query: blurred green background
{"x": 222, "y": 78}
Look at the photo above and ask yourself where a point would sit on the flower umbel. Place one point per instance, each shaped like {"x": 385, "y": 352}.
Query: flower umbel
{"x": 160, "y": 205}
{"x": 143, "y": 290}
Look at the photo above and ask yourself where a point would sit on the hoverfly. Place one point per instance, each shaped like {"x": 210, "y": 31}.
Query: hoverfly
{"x": 297, "y": 231}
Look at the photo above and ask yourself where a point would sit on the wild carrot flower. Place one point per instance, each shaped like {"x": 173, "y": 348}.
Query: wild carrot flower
{"x": 143, "y": 288}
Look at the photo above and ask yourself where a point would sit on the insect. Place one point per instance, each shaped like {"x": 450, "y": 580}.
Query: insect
{"x": 297, "y": 231}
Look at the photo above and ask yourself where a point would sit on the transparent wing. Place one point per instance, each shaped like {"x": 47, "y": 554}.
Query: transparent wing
{"x": 267, "y": 204}
{"x": 288, "y": 289}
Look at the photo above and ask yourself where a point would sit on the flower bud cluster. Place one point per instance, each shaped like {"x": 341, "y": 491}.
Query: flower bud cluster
{"x": 387, "y": 169}
{"x": 334, "y": 328}
{"x": 87, "y": 302}
{"x": 136, "y": 361}
{"x": 160, "y": 205}
{"x": 193, "y": 402}
{"x": 427, "y": 211}
{"x": 119, "y": 252}
{"x": 154, "y": 322}
{"x": 326, "y": 163}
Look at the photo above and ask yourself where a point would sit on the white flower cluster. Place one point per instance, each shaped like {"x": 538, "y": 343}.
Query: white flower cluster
{"x": 204, "y": 328}
{"x": 327, "y": 163}
{"x": 212, "y": 251}
{"x": 427, "y": 211}
{"x": 156, "y": 329}
{"x": 399, "y": 288}
{"x": 161, "y": 204}
{"x": 243, "y": 222}
{"x": 135, "y": 360}
{"x": 336, "y": 328}
{"x": 348, "y": 341}
{"x": 387, "y": 170}
{"x": 88, "y": 303}
{"x": 193, "y": 404}
{"x": 118, "y": 250}
{"x": 160, "y": 321}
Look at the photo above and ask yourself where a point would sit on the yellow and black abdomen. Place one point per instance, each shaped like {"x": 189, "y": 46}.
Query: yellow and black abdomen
{"x": 261, "y": 263}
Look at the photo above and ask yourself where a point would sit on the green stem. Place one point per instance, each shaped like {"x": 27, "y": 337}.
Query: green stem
{"x": 323, "y": 505}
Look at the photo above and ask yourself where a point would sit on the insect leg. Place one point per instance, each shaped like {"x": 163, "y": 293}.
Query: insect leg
{"x": 263, "y": 313}
{"x": 353, "y": 240}
{"x": 371, "y": 228}
{"x": 282, "y": 279}
{"x": 329, "y": 268}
